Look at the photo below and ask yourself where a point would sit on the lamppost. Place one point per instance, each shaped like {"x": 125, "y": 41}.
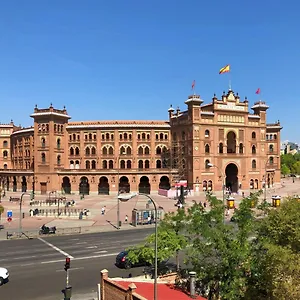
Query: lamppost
{"x": 20, "y": 218}
{"x": 265, "y": 190}
{"x": 210, "y": 165}
{"x": 125, "y": 198}
{"x": 118, "y": 202}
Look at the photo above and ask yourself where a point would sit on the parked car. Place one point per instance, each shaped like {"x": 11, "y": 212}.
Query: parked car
{"x": 3, "y": 275}
{"x": 122, "y": 261}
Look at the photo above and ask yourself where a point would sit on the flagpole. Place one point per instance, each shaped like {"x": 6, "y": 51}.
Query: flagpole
{"x": 229, "y": 80}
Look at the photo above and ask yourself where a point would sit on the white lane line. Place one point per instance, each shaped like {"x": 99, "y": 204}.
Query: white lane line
{"x": 30, "y": 264}
{"x": 71, "y": 269}
{"x": 56, "y": 248}
{"x": 80, "y": 258}
{"x": 103, "y": 251}
{"x": 91, "y": 247}
{"x": 20, "y": 257}
{"x": 81, "y": 243}
{"x": 74, "y": 239}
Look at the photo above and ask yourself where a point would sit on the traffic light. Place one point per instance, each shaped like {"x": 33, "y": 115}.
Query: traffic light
{"x": 67, "y": 264}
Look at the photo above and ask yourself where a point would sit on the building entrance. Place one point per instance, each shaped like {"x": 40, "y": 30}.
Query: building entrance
{"x": 231, "y": 172}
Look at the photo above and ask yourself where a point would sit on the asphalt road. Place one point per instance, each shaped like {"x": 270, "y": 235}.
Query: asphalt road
{"x": 37, "y": 266}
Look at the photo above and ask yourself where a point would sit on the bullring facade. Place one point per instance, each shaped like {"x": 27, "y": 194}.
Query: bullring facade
{"x": 98, "y": 157}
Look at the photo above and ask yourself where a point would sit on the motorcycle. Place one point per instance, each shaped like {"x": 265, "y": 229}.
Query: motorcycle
{"x": 47, "y": 230}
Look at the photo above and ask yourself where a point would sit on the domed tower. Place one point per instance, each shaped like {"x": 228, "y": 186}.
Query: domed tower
{"x": 50, "y": 143}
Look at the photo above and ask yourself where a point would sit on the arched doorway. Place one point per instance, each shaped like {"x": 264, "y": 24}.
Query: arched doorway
{"x": 231, "y": 172}
{"x": 164, "y": 183}
{"x": 144, "y": 186}
{"x": 231, "y": 142}
{"x": 24, "y": 184}
{"x": 14, "y": 184}
{"x": 103, "y": 186}
{"x": 66, "y": 185}
{"x": 124, "y": 186}
{"x": 84, "y": 186}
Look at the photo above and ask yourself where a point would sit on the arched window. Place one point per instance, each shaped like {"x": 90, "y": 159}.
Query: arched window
{"x": 130, "y": 136}
{"x": 77, "y": 165}
{"x": 241, "y": 148}
{"x": 5, "y": 154}
{"x": 77, "y": 151}
{"x": 253, "y": 149}
{"x": 90, "y": 136}
{"x": 104, "y": 151}
{"x": 43, "y": 158}
{"x": 5, "y": 144}
{"x": 122, "y": 164}
{"x": 231, "y": 142}
{"x": 74, "y": 137}
{"x": 206, "y": 149}
{"x": 221, "y": 148}
{"x": 95, "y": 136}
{"x": 111, "y": 164}
{"x": 128, "y": 164}
{"x": 71, "y": 164}
{"x": 103, "y": 136}
{"x": 93, "y": 164}
{"x": 5, "y": 166}
{"x": 111, "y": 150}
{"x": 253, "y": 135}
{"x": 147, "y": 150}
{"x": 147, "y": 164}
{"x": 271, "y": 148}
{"x": 104, "y": 164}
{"x": 267, "y": 136}
{"x": 161, "y": 136}
{"x": 125, "y": 136}
{"x": 55, "y": 127}
{"x": 112, "y": 136}
{"x": 148, "y": 136}
{"x": 122, "y": 150}
{"x": 128, "y": 151}
{"x": 143, "y": 136}
{"x": 93, "y": 151}
{"x": 70, "y": 137}
{"x": 58, "y": 160}
{"x": 275, "y": 137}
{"x": 253, "y": 164}
{"x": 141, "y": 164}
{"x": 121, "y": 136}
{"x": 139, "y": 136}
{"x": 206, "y": 133}
{"x": 71, "y": 151}
{"x": 158, "y": 150}
{"x": 58, "y": 144}
{"x": 141, "y": 150}
{"x": 166, "y": 136}
{"x": 43, "y": 141}
{"x": 206, "y": 164}
{"x": 87, "y": 165}
{"x": 87, "y": 151}
{"x": 271, "y": 160}
{"x": 158, "y": 164}
{"x": 107, "y": 136}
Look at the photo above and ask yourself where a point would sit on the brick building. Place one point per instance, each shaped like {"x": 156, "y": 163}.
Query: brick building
{"x": 95, "y": 157}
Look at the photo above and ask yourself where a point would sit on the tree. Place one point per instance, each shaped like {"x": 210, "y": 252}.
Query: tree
{"x": 1, "y": 210}
{"x": 171, "y": 240}
{"x": 275, "y": 268}
{"x": 285, "y": 170}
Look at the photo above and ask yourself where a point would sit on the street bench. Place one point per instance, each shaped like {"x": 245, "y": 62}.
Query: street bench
{"x": 14, "y": 199}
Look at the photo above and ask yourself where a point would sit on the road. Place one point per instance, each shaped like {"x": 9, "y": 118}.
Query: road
{"x": 37, "y": 266}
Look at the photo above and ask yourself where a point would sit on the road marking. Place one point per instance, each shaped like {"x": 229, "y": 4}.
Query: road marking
{"x": 30, "y": 264}
{"x": 74, "y": 239}
{"x": 91, "y": 247}
{"x": 80, "y": 258}
{"x": 20, "y": 257}
{"x": 71, "y": 269}
{"x": 103, "y": 251}
{"x": 55, "y": 248}
{"x": 81, "y": 243}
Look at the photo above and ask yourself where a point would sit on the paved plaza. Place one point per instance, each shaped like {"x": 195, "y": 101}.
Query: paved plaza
{"x": 94, "y": 204}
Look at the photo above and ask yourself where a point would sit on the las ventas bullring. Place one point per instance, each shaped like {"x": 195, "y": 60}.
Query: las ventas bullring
{"x": 201, "y": 144}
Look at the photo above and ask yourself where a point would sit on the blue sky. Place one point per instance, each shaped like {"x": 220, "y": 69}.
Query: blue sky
{"x": 131, "y": 59}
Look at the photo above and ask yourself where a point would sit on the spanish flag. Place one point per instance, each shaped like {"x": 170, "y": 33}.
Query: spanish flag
{"x": 225, "y": 69}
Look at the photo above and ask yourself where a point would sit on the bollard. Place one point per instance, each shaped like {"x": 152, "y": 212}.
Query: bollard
{"x": 67, "y": 293}
{"x": 192, "y": 284}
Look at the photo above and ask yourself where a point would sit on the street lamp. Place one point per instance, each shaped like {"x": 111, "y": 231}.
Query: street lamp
{"x": 20, "y": 219}
{"x": 125, "y": 198}
{"x": 210, "y": 165}
{"x": 265, "y": 191}
{"x": 118, "y": 203}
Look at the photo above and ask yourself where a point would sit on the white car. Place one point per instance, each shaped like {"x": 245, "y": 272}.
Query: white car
{"x": 3, "y": 275}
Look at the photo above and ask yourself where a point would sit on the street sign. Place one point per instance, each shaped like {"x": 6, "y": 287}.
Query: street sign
{"x": 9, "y": 219}
{"x": 9, "y": 214}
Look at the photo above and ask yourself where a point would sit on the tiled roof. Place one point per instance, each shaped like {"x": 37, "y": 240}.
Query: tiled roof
{"x": 164, "y": 291}
{"x": 119, "y": 123}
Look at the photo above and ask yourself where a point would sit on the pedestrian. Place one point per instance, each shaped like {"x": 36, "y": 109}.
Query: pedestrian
{"x": 103, "y": 210}
{"x": 126, "y": 219}
{"x": 149, "y": 220}
{"x": 204, "y": 204}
